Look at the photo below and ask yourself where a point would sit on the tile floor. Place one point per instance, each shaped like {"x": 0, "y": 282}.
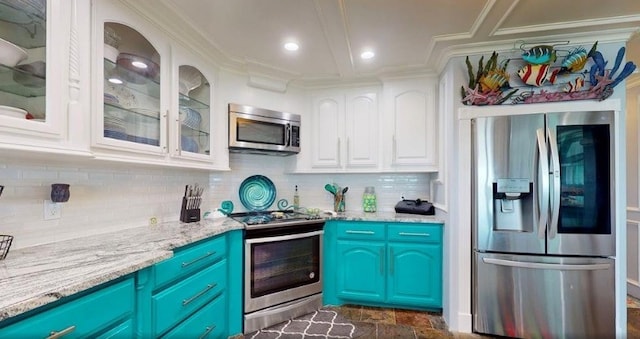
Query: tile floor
{"x": 396, "y": 323}
{"x": 384, "y": 323}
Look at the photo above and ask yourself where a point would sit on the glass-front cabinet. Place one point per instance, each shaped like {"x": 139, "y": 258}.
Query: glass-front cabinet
{"x": 33, "y": 35}
{"x": 153, "y": 99}
{"x": 194, "y": 99}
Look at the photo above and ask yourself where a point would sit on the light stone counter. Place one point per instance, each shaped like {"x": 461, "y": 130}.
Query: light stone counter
{"x": 386, "y": 217}
{"x": 35, "y": 276}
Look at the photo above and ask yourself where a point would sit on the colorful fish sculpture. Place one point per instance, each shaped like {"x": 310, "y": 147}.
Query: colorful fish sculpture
{"x": 493, "y": 80}
{"x": 577, "y": 59}
{"x": 540, "y": 55}
{"x": 536, "y": 75}
{"x": 573, "y": 85}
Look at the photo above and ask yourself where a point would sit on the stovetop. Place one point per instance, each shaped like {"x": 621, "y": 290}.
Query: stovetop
{"x": 263, "y": 219}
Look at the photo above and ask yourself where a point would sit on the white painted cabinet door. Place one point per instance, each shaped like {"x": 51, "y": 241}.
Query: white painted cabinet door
{"x": 198, "y": 133}
{"x": 362, "y": 116}
{"x": 345, "y": 130}
{"x": 327, "y": 130}
{"x": 47, "y": 33}
{"x": 410, "y": 125}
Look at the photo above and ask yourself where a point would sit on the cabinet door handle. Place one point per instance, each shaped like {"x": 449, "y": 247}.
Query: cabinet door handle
{"x": 54, "y": 334}
{"x": 207, "y": 331}
{"x": 360, "y": 232}
{"x": 198, "y": 295}
{"x": 414, "y": 234}
{"x": 382, "y": 261}
{"x": 208, "y": 254}
{"x": 391, "y": 261}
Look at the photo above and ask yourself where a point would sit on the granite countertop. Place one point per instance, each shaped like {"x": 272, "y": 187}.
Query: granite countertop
{"x": 38, "y": 275}
{"x": 35, "y": 276}
{"x": 386, "y": 217}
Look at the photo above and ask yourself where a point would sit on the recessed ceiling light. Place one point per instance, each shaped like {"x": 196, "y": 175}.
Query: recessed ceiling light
{"x": 115, "y": 81}
{"x": 291, "y": 46}
{"x": 367, "y": 55}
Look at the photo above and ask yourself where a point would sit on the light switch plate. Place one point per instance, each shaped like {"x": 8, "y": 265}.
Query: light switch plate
{"x": 52, "y": 210}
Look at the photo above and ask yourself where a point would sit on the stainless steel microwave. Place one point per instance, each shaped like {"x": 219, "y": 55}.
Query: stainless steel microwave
{"x": 263, "y": 131}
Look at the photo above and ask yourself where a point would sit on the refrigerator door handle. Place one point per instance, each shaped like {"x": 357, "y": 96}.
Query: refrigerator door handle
{"x": 546, "y": 266}
{"x": 542, "y": 170}
{"x": 555, "y": 174}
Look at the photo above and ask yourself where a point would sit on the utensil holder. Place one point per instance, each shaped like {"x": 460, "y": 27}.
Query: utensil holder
{"x": 189, "y": 215}
{"x": 5, "y": 244}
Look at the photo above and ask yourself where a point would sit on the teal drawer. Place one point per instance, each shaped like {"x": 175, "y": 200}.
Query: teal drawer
{"x": 190, "y": 260}
{"x": 360, "y": 230}
{"x": 423, "y": 233}
{"x": 87, "y": 316}
{"x": 209, "y": 322}
{"x": 179, "y": 301}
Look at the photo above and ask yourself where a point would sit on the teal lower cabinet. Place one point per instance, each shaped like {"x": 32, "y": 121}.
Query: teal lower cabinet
{"x": 383, "y": 264}
{"x": 105, "y": 311}
{"x": 360, "y": 274}
{"x": 196, "y": 293}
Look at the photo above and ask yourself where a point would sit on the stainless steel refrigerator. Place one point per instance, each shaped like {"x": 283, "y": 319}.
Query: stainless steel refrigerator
{"x": 544, "y": 225}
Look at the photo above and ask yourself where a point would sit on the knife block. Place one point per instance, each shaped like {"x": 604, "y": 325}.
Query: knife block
{"x": 189, "y": 215}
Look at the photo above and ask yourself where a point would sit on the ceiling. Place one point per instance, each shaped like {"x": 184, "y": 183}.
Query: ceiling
{"x": 407, "y": 36}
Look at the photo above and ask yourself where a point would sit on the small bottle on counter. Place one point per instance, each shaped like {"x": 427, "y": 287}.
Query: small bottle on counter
{"x": 296, "y": 199}
{"x": 369, "y": 199}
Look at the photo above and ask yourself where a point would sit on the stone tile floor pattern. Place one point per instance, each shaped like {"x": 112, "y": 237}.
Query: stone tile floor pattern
{"x": 372, "y": 322}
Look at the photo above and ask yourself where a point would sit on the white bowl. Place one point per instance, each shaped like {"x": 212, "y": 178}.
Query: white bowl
{"x": 13, "y": 112}
{"x": 189, "y": 78}
{"x": 10, "y": 54}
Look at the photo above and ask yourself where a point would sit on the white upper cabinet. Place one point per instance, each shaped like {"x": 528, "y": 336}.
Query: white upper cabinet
{"x": 39, "y": 103}
{"x": 151, "y": 96}
{"x": 410, "y": 125}
{"x": 344, "y": 130}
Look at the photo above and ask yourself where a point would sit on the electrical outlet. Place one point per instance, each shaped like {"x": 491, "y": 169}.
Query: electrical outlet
{"x": 52, "y": 210}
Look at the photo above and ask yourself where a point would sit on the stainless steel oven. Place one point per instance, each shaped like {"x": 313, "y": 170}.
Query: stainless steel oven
{"x": 283, "y": 269}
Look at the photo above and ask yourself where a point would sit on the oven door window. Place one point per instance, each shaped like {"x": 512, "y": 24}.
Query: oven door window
{"x": 262, "y": 132}
{"x": 281, "y": 265}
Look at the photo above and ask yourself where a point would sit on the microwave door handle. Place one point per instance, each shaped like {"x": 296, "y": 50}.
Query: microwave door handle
{"x": 555, "y": 174}
{"x": 542, "y": 172}
{"x": 287, "y": 135}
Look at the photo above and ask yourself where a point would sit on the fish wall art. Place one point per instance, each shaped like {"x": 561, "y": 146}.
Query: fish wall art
{"x": 545, "y": 74}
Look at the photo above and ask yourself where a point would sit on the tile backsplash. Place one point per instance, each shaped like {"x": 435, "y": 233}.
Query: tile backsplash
{"x": 108, "y": 197}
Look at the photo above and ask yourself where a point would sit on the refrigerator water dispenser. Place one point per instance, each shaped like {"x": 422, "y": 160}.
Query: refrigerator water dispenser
{"x": 513, "y": 205}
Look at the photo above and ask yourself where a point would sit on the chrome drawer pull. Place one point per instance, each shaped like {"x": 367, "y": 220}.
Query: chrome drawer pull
{"x": 208, "y": 254}
{"x": 415, "y": 234}
{"x": 207, "y": 331}
{"x": 360, "y": 232}
{"x": 199, "y": 294}
{"x": 54, "y": 334}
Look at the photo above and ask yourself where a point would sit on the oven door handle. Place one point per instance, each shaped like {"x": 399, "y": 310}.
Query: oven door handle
{"x": 284, "y": 237}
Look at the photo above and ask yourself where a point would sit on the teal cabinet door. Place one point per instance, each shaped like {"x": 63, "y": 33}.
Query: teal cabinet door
{"x": 361, "y": 270}
{"x": 415, "y": 274}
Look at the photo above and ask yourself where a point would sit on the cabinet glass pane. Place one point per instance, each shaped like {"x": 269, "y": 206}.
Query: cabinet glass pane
{"x": 585, "y": 197}
{"x": 194, "y": 110}
{"x": 131, "y": 86}
{"x": 22, "y": 68}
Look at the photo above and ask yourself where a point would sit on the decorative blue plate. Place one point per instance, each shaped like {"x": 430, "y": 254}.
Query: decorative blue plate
{"x": 257, "y": 193}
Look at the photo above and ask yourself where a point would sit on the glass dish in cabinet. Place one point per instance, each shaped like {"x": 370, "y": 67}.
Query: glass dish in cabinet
{"x": 194, "y": 111}
{"x": 131, "y": 86}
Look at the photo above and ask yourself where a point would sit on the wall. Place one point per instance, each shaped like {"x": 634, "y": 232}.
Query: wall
{"x": 109, "y": 197}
